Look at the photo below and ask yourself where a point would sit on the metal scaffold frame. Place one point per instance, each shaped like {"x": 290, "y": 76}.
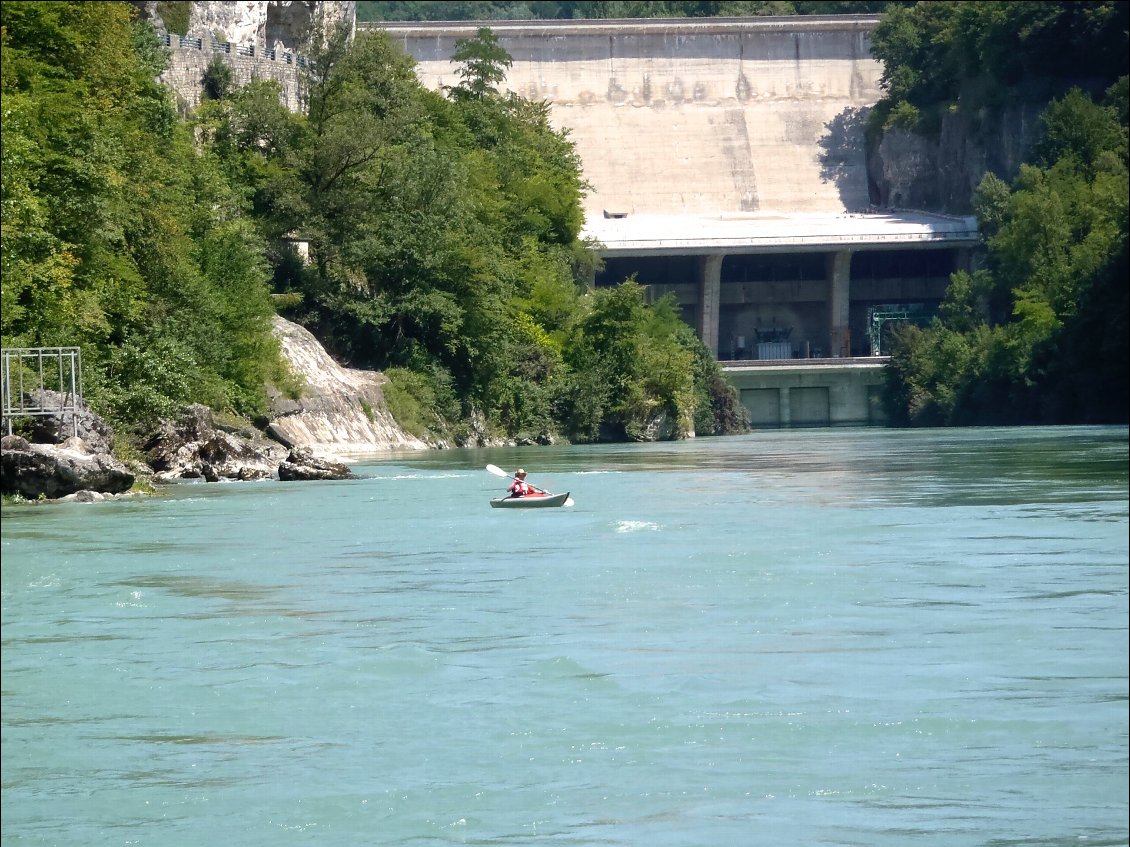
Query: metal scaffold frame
{"x": 877, "y": 316}
{"x": 25, "y": 372}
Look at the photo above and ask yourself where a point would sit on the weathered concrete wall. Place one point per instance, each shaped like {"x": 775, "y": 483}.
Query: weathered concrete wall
{"x": 831, "y": 394}
{"x": 692, "y": 116}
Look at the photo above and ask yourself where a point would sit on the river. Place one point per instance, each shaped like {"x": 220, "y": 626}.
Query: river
{"x": 863, "y": 637}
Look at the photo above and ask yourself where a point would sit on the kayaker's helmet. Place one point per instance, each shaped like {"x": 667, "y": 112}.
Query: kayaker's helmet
{"x": 520, "y": 473}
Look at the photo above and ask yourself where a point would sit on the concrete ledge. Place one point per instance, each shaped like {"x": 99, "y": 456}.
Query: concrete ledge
{"x": 763, "y": 233}
{"x": 804, "y": 365}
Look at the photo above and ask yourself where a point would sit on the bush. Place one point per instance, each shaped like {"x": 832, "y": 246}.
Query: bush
{"x": 217, "y": 79}
{"x": 904, "y": 116}
{"x": 422, "y": 404}
{"x": 176, "y": 15}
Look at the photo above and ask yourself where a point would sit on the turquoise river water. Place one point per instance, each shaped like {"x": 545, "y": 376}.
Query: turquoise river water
{"x": 812, "y": 637}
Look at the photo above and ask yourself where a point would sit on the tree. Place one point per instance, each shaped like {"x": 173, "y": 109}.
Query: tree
{"x": 217, "y": 79}
{"x": 631, "y": 370}
{"x": 979, "y": 52}
{"x": 120, "y": 236}
{"x": 483, "y": 64}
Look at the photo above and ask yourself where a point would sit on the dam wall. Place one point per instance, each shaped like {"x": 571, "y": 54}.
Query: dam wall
{"x": 691, "y": 116}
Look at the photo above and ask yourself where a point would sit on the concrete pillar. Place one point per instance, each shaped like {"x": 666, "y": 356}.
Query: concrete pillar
{"x": 589, "y": 275}
{"x": 963, "y": 259}
{"x": 786, "y": 409}
{"x": 709, "y": 298}
{"x": 971, "y": 259}
{"x": 839, "y": 302}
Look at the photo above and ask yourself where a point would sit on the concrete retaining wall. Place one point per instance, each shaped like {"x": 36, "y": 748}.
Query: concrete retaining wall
{"x": 257, "y": 39}
{"x": 189, "y": 59}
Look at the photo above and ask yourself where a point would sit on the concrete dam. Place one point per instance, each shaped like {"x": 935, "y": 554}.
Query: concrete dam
{"x": 727, "y": 168}
{"x": 691, "y": 116}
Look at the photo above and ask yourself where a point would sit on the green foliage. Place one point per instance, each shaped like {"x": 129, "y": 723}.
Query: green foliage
{"x": 1079, "y": 133}
{"x": 442, "y": 233}
{"x": 991, "y": 202}
{"x": 144, "y": 380}
{"x": 903, "y": 116}
{"x": 176, "y": 15}
{"x": 717, "y": 405}
{"x": 966, "y": 304}
{"x": 979, "y": 56}
{"x": 1016, "y": 342}
{"x": 218, "y": 78}
{"x": 632, "y": 370}
{"x": 259, "y": 145}
{"x": 287, "y": 301}
{"x": 437, "y": 227}
{"x": 482, "y": 64}
{"x": 119, "y": 236}
{"x": 931, "y": 51}
{"x": 523, "y": 393}
{"x": 423, "y": 404}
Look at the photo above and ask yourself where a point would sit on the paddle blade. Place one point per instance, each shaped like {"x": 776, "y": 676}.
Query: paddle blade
{"x": 496, "y": 470}
{"x": 569, "y": 502}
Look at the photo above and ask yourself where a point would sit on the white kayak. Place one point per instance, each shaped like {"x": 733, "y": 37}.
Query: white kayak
{"x": 531, "y": 501}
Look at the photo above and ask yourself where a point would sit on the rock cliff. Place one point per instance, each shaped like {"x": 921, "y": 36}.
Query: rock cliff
{"x": 282, "y": 25}
{"x": 256, "y": 39}
{"x": 341, "y": 411}
{"x": 912, "y": 171}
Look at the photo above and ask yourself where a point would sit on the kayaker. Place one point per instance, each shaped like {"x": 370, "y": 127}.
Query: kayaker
{"x": 520, "y": 488}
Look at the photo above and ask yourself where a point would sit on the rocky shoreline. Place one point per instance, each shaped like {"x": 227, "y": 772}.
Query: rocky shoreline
{"x": 68, "y": 456}
{"x": 194, "y": 447}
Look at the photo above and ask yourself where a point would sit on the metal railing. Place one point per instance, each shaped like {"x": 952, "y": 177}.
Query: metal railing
{"x": 27, "y": 372}
{"x": 249, "y": 50}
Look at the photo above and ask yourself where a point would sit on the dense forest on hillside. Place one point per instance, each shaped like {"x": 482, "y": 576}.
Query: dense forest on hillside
{"x": 1039, "y": 333}
{"x": 120, "y": 235}
{"x": 443, "y": 233}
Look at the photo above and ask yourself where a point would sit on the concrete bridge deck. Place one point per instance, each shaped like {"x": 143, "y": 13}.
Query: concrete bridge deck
{"x": 733, "y": 234}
